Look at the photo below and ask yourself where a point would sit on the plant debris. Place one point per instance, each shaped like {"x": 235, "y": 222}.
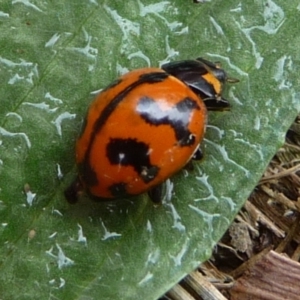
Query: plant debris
{"x": 258, "y": 257}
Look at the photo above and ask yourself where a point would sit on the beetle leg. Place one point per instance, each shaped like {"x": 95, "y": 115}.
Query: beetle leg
{"x": 155, "y": 194}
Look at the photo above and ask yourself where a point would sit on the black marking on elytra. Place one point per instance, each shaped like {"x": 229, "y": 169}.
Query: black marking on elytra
{"x": 130, "y": 152}
{"x": 87, "y": 174}
{"x": 178, "y": 117}
{"x": 148, "y": 78}
{"x": 118, "y": 189}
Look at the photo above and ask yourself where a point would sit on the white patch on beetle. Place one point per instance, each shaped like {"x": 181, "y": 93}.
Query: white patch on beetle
{"x": 121, "y": 157}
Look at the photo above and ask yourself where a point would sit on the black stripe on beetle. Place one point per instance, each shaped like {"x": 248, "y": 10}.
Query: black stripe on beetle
{"x": 88, "y": 174}
{"x": 177, "y": 117}
{"x": 130, "y": 152}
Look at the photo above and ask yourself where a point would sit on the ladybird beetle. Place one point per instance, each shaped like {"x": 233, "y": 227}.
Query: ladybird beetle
{"x": 144, "y": 127}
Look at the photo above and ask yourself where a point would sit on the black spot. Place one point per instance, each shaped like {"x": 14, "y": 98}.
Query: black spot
{"x": 118, "y": 189}
{"x": 130, "y": 152}
{"x": 87, "y": 173}
{"x": 177, "y": 117}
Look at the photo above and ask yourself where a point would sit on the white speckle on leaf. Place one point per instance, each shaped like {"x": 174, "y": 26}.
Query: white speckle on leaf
{"x": 55, "y": 100}
{"x": 216, "y": 25}
{"x": 15, "y": 79}
{"x": 94, "y": 2}
{"x": 274, "y": 18}
{"x": 153, "y": 257}
{"x": 224, "y": 154}
{"x": 30, "y": 197}
{"x": 204, "y": 180}
{"x": 153, "y": 8}
{"x": 141, "y": 55}
{"x": 217, "y": 129}
{"x": 52, "y": 40}
{"x": 13, "y": 134}
{"x": 13, "y": 114}
{"x": 157, "y": 9}
{"x": 229, "y": 200}
{"x": 4, "y": 224}
{"x": 257, "y": 123}
{"x": 237, "y": 9}
{"x": 81, "y": 237}
{"x": 171, "y": 53}
{"x": 61, "y": 259}
{"x": 283, "y": 65}
{"x": 149, "y": 226}
{"x": 256, "y": 147}
{"x": 107, "y": 234}
{"x": 176, "y": 218}
{"x": 56, "y": 211}
{"x": 59, "y": 173}
{"x": 4, "y": 15}
{"x": 208, "y": 218}
{"x": 121, "y": 70}
{"x": 41, "y": 105}
{"x": 127, "y": 27}
{"x": 178, "y": 258}
{"x": 24, "y": 70}
{"x": 54, "y": 234}
{"x": 64, "y": 116}
{"x": 61, "y": 283}
{"x": 28, "y": 4}
{"x": 88, "y": 50}
{"x": 148, "y": 277}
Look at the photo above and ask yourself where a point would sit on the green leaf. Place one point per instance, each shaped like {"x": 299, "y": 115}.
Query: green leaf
{"x": 54, "y": 55}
